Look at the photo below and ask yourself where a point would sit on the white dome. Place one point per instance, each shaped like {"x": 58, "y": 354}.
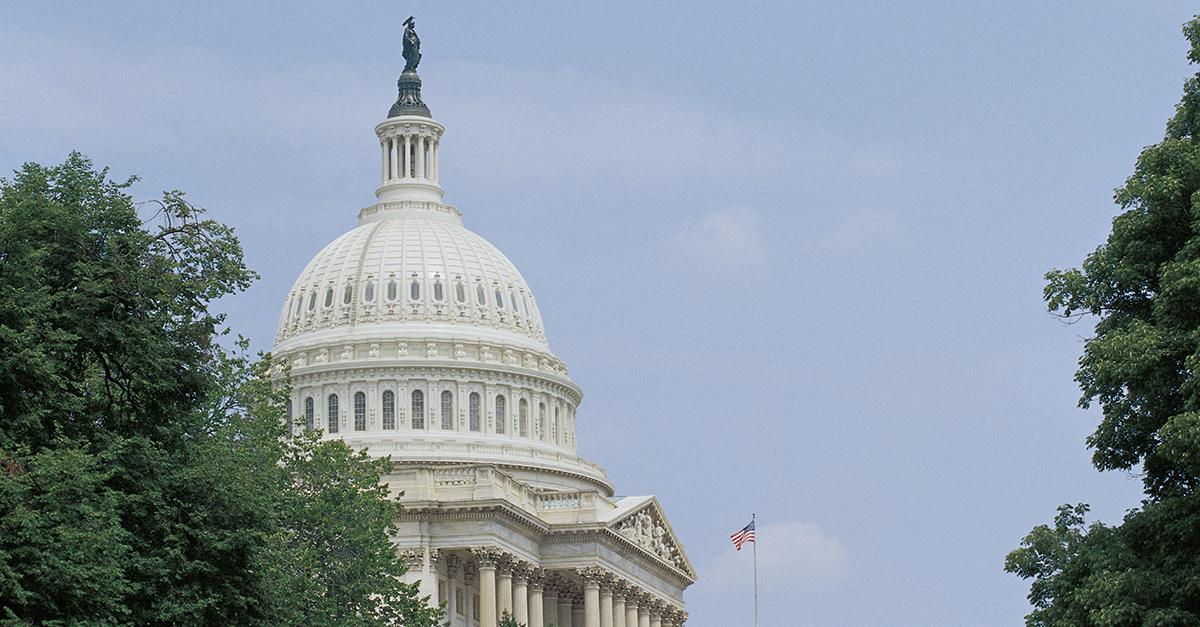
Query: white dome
{"x": 413, "y": 267}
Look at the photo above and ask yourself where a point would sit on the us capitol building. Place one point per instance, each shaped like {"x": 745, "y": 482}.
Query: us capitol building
{"x": 413, "y": 337}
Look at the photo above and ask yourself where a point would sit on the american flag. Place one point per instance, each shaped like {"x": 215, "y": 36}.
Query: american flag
{"x": 743, "y": 536}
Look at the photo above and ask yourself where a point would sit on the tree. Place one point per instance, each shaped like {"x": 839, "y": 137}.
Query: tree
{"x": 144, "y": 473}
{"x": 1142, "y": 286}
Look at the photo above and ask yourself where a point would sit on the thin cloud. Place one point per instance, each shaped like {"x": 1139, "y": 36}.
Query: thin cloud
{"x": 727, "y": 237}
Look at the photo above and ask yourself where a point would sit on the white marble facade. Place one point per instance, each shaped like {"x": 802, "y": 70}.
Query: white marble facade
{"x": 413, "y": 337}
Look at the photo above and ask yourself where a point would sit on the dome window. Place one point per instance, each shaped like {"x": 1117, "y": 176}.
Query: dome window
{"x": 418, "y": 409}
{"x": 480, "y": 295}
{"x": 348, "y": 294}
{"x": 414, "y": 291}
{"x": 542, "y": 421}
{"x": 369, "y": 292}
{"x": 501, "y": 413}
{"x": 328, "y": 298}
{"x": 360, "y": 411}
{"x": 389, "y": 409}
{"x": 499, "y": 300}
{"x": 460, "y": 293}
{"x": 447, "y": 409}
{"x": 310, "y": 414}
{"x": 512, "y": 298}
{"x": 392, "y": 290}
{"x": 312, "y": 301}
{"x": 438, "y": 290}
{"x": 523, "y": 418}
{"x": 299, "y": 304}
{"x": 333, "y": 413}
{"x": 473, "y": 411}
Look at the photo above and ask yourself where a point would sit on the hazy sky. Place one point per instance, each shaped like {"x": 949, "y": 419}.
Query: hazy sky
{"x": 792, "y": 252}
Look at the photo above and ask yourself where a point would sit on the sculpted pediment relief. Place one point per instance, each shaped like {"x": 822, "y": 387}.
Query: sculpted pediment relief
{"x": 648, "y": 528}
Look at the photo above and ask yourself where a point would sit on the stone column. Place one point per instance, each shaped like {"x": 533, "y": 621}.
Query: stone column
{"x": 384, "y": 160}
{"x": 520, "y": 593}
{"x": 536, "y": 617}
{"x": 433, "y": 160}
{"x": 451, "y": 586}
{"x": 487, "y": 557}
{"x": 644, "y": 610}
{"x": 656, "y": 615}
{"x": 429, "y": 578}
{"x": 631, "y": 609}
{"x": 406, "y": 159}
{"x": 550, "y": 605}
{"x": 606, "y": 604}
{"x": 564, "y": 609}
{"x": 469, "y": 573}
{"x": 504, "y": 580}
{"x": 591, "y": 595}
{"x": 578, "y": 615}
{"x": 393, "y": 165}
{"x": 420, "y": 156}
{"x": 619, "y": 604}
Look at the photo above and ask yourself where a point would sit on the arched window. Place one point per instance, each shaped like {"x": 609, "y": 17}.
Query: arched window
{"x": 369, "y": 292}
{"x": 347, "y": 294}
{"x": 473, "y": 411}
{"x": 460, "y": 292}
{"x": 414, "y": 290}
{"x": 501, "y": 413}
{"x": 480, "y": 294}
{"x": 418, "y": 409}
{"x": 554, "y": 426}
{"x": 310, "y": 414}
{"x": 360, "y": 411}
{"x": 312, "y": 301}
{"x": 391, "y": 290}
{"x": 523, "y": 418}
{"x": 328, "y": 297}
{"x": 542, "y": 421}
{"x": 333, "y": 413}
{"x": 437, "y": 290}
{"x": 389, "y": 409}
{"x": 447, "y": 409}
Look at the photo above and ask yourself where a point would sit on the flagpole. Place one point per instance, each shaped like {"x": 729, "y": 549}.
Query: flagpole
{"x": 755, "y": 543}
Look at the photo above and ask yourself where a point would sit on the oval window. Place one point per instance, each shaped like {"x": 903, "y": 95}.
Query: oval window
{"x": 512, "y": 298}
{"x": 414, "y": 290}
{"x": 369, "y": 292}
{"x": 312, "y": 301}
{"x": 391, "y": 290}
{"x": 480, "y": 294}
{"x": 460, "y": 292}
{"x": 437, "y": 290}
{"x": 499, "y": 300}
{"x": 348, "y": 295}
{"x": 329, "y": 298}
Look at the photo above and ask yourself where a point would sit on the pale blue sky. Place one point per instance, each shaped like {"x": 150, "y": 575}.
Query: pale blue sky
{"x": 792, "y": 252}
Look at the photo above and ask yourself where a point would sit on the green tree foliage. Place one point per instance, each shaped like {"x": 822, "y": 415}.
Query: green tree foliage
{"x": 144, "y": 476}
{"x": 1141, "y": 366}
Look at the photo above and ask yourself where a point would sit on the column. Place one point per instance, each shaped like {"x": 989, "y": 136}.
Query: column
{"x": 656, "y": 616}
{"x": 433, "y": 160}
{"x": 606, "y": 605}
{"x": 406, "y": 160}
{"x": 414, "y": 559}
{"x": 550, "y": 605}
{"x": 487, "y": 557}
{"x": 591, "y": 595}
{"x": 618, "y": 604}
{"x": 420, "y": 156}
{"x": 631, "y": 609}
{"x": 383, "y": 159}
{"x": 393, "y": 164}
{"x": 644, "y": 610}
{"x": 429, "y": 578}
{"x": 578, "y": 614}
{"x": 564, "y": 609}
{"x": 520, "y": 592}
{"x": 469, "y": 574}
{"x": 504, "y": 580}
{"x": 536, "y": 617}
{"x": 451, "y": 586}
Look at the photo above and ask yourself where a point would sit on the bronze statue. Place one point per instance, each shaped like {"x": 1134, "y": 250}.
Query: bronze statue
{"x": 412, "y": 45}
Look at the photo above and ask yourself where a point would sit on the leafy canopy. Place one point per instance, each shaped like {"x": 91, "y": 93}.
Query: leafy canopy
{"x": 1142, "y": 286}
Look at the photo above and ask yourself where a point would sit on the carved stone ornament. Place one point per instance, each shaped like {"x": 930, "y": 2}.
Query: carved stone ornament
{"x": 591, "y": 575}
{"x": 402, "y": 349}
{"x": 373, "y": 351}
{"x": 646, "y": 530}
{"x": 413, "y": 557}
{"x": 487, "y": 556}
{"x": 348, "y": 352}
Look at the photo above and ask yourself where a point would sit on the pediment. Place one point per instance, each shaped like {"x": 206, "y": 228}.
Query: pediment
{"x": 644, "y": 523}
